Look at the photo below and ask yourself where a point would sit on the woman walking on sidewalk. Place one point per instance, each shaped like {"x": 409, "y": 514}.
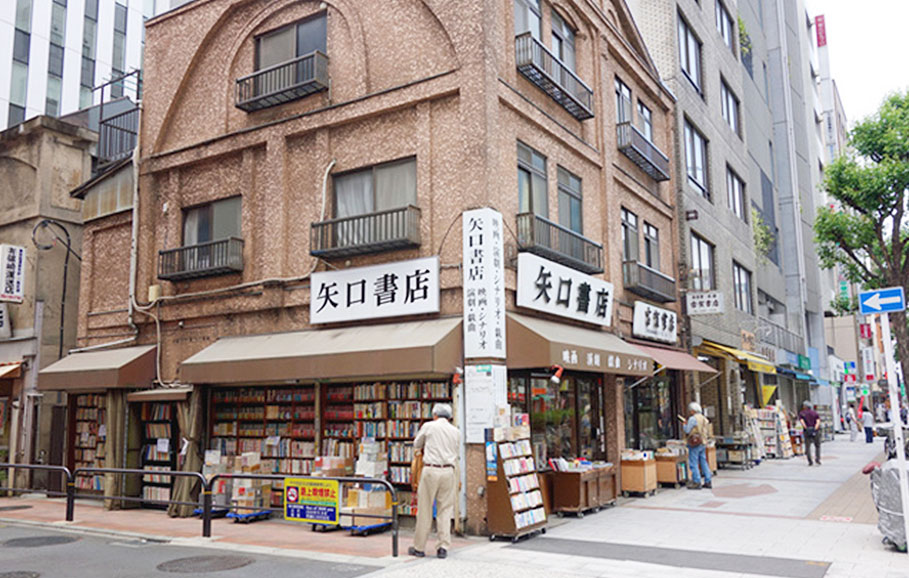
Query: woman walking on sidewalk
{"x": 852, "y": 420}
{"x": 868, "y": 423}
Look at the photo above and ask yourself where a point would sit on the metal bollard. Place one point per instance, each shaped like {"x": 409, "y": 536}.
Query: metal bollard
{"x": 394, "y": 526}
{"x": 70, "y": 500}
{"x": 206, "y": 511}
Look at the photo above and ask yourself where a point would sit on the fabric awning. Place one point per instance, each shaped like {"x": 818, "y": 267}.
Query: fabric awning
{"x": 431, "y": 348}
{"x": 10, "y": 370}
{"x": 674, "y": 359}
{"x": 534, "y": 342}
{"x": 795, "y": 374}
{"x": 159, "y": 394}
{"x": 104, "y": 369}
{"x": 754, "y": 361}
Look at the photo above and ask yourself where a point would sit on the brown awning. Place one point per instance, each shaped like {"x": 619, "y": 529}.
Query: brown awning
{"x": 159, "y": 394}
{"x": 675, "y": 359}
{"x": 430, "y": 348}
{"x": 536, "y": 342}
{"x": 10, "y": 370}
{"x": 106, "y": 369}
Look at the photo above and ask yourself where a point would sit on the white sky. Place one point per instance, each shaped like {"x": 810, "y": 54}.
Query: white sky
{"x": 867, "y": 41}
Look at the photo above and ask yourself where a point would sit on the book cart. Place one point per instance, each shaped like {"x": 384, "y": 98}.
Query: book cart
{"x": 513, "y": 496}
{"x": 88, "y": 438}
{"x": 159, "y": 451}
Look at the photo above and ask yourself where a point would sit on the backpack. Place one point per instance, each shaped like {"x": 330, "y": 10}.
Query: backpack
{"x": 698, "y": 432}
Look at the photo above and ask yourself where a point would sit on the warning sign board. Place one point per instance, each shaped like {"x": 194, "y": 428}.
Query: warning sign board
{"x": 311, "y": 500}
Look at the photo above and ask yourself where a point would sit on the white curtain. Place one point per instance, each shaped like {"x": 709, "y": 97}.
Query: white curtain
{"x": 353, "y": 196}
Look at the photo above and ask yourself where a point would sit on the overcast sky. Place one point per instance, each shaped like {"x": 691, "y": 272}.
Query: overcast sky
{"x": 868, "y": 47}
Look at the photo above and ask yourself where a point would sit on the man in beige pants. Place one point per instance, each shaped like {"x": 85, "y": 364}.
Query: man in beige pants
{"x": 439, "y": 441}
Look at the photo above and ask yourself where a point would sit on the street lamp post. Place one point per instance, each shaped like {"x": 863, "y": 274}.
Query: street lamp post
{"x": 45, "y": 225}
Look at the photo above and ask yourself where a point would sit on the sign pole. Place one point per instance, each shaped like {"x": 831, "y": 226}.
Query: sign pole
{"x": 896, "y": 420}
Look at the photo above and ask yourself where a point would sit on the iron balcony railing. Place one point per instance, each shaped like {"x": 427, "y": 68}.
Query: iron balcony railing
{"x": 647, "y": 282}
{"x": 117, "y": 136}
{"x": 634, "y": 145}
{"x": 542, "y": 68}
{"x": 203, "y": 260}
{"x": 557, "y": 243}
{"x": 779, "y": 336}
{"x": 370, "y": 233}
{"x": 283, "y": 82}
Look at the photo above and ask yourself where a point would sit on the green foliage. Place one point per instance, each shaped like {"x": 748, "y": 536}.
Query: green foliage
{"x": 763, "y": 238}
{"x": 843, "y": 305}
{"x": 744, "y": 39}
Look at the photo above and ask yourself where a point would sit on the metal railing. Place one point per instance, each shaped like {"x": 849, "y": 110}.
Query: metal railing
{"x": 117, "y": 136}
{"x": 542, "y": 68}
{"x": 634, "y": 145}
{"x": 202, "y": 260}
{"x": 778, "y": 336}
{"x": 557, "y": 243}
{"x": 647, "y": 282}
{"x": 370, "y": 233}
{"x": 205, "y": 491}
{"x": 283, "y": 82}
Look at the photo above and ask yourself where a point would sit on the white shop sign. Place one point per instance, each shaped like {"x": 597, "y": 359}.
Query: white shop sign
{"x": 484, "y": 390}
{"x": 654, "y": 323}
{"x": 6, "y": 330}
{"x": 868, "y": 363}
{"x": 484, "y": 284}
{"x": 559, "y": 290}
{"x": 12, "y": 260}
{"x": 705, "y": 302}
{"x": 387, "y": 290}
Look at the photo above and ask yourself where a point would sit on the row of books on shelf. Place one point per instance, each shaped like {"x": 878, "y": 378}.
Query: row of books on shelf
{"x": 333, "y": 447}
{"x": 525, "y": 501}
{"x": 523, "y": 483}
{"x": 374, "y": 410}
{"x": 408, "y": 503}
{"x": 89, "y": 482}
{"x": 156, "y": 478}
{"x": 88, "y": 455}
{"x": 90, "y": 400}
{"x": 419, "y": 390}
{"x": 399, "y": 474}
{"x": 301, "y": 413}
{"x": 89, "y": 427}
{"x": 287, "y": 466}
{"x": 155, "y": 494}
{"x": 370, "y": 429}
{"x": 87, "y": 441}
{"x": 400, "y": 451}
{"x": 410, "y": 410}
{"x": 88, "y": 413}
{"x": 156, "y": 411}
{"x": 529, "y": 518}
{"x": 157, "y": 430}
{"x": 340, "y": 430}
{"x": 239, "y": 395}
{"x": 299, "y": 395}
{"x": 516, "y": 466}
{"x": 151, "y": 454}
{"x": 515, "y": 449}
{"x": 369, "y": 391}
{"x": 284, "y": 448}
{"x": 339, "y": 393}
{"x": 403, "y": 429}
{"x": 339, "y": 412}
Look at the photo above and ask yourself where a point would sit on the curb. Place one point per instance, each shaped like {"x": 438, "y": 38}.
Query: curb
{"x": 71, "y": 528}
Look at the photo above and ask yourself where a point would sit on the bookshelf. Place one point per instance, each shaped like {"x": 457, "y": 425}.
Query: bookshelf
{"x": 338, "y": 428}
{"x": 514, "y": 499}
{"x": 159, "y": 451}
{"x": 89, "y": 438}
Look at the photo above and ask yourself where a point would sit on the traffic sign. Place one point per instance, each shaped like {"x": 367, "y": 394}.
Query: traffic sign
{"x": 882, "y": 300}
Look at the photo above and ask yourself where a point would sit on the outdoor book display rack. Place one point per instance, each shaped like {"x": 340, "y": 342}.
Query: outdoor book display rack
{"x": 582, "y": 491}
{"x": 513, "y": 496}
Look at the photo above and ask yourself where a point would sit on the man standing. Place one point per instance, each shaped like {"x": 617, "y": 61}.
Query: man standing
{"x": 811, "y": 422}
{"x": 439, "y": 441}
{"x": 696, "y": 430}
{"x": 868, "y": 423}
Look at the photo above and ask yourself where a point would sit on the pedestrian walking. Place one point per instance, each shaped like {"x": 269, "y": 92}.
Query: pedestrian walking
{"x": 696, "y": 431}
{"x": 811, "y": 422}
{"x": 439, "y": 441}
{"x": 852, "y": 420}
{"x": 868, "y": 424}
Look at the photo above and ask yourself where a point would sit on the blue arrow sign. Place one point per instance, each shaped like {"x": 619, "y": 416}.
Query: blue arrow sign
{"x": 882, "y": 301}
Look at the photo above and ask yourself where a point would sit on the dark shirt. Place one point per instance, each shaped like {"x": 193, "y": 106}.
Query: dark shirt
{"x": 810, "y": 417}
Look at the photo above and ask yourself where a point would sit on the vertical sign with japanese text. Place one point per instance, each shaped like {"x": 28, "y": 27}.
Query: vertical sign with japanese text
{"x": 558, "y": 290}
{"x": 387, "y": 290}
{"x": 12, "y": 259}
{"x": 654, "y": 323}
{"x": 820, "y": 27}
{"x": 484, "y": 284}
{"x": 868, "y": 363}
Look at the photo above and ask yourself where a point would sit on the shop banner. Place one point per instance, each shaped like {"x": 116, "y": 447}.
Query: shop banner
{"x": 387, "y": 290}
{"x": 312, "y": 501}
{"x": 485, "y": 390}
{"x": 483, "y": 263}
{"x": 558, "y": 290}
{"x": 767, "y": 390}
{"x": 868, "y": 363}
{"x": 705, "y": 302}
{"x": 6, "y": 330}
{"x": 492, "y": 465}
{"x": 12, "y": 259}
{"x": 865, "y": 330}
{"x": 654, "y": 323}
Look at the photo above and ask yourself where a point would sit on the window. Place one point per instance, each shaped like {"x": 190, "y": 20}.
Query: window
{"x": 20, "y": 46}
{"x": 696, "y": 159}
{"x": 53, "y": 96}
{"x": 689, "y": 53}
{"x": 212, "y": 222}
{"x": 120, "y": 18}
{"x": 741, "y": 278}
{"x": 24, "y": 15}
{"x": 622, "y": 102}
{"x": 630, "y": 248}
{"x": 19, "y": 84}
{"x": 570, "y": 201}
{"x": 701, "y": 275}
{"x": 527, "y": 17}
{"x": 563, "y": 41}
{"x": 735, "y": 194}
{"x": 532, "y": 195}
{"x": 378, "y": 188}
{"x": 55, "y": 61}
{"x": 16, "y": 114}
{"x": 725, "y": 26}
{"x": 91, "y": 9}
{"x": 651, "y": 246}
{"x": 645, "y": 120}
{"x": 58, "y": 24}
{"x": 293, "y": 41}
{"x": 730, "y": 105}
{"x": 88, "y": 73}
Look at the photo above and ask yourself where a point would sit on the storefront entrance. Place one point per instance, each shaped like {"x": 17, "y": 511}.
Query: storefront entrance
{"x": 651, "y": 408}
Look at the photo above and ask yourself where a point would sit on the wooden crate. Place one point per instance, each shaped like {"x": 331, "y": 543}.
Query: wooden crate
{"x": 639, "y": 476}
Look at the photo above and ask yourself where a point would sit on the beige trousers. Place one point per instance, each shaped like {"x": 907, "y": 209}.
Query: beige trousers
{"x": 436, "y": 484}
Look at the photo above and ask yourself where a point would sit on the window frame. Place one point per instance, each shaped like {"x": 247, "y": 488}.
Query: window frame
{"x": 565, "y": 188}
{"x": 727, "y": 32}
{"x": 651, "y": 246}
{"x": 645, "y": 120}
{"x": 630, "y": 236}
{"x": 690, "y": 67}
{"x": 696, "y": 142}
{"x": 532, "y": 170}
{"x": 697, "y": 246}
{"x": 532, "y": 7}
{"x": 373, "y": 169}
{"x": 623, "y": 102}
{"x": 210, "y": 207}
{"x": 257, "y": 40}
{"x": 730, "y": 107}
{"x": 567, "y": 39}
{"x": 741, "y": 288}
{"x": 735, "y": 194}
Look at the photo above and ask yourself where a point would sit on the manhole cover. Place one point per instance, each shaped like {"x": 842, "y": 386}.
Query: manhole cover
{"x": 19, "y": 574}
{"x": 199, "y": 564}
{"x": 11, "y": 508}
{"x": 36, "y": 541}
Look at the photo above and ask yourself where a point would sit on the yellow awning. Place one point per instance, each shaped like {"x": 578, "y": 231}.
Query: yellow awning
{"x": 754, "y": 361}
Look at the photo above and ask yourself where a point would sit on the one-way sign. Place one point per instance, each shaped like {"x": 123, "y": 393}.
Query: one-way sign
{"x": 882, "y": 300}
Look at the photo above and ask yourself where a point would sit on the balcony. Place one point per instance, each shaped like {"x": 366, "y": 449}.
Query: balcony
{"x": 778, "y": 336}
{"x": 557, "y": 243}
{"x": 371, "y": 233}
{"x": 642, "y": 152}
{"x": 203, "y": 260}
{"x": 283, "y": 82}
{"x": 542, "y": 68}
{"x": 648, "y": 283}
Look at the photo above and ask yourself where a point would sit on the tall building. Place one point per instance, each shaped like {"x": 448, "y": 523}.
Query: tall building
{"x": 54, "y": 52}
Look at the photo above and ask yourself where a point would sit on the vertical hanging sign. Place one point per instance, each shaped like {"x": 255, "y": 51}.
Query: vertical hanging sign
{"x": 484, "y": 284}
{"x": 12, "y": 261}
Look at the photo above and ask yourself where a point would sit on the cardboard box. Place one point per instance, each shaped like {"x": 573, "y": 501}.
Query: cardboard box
{"x": 333, "y": 466}
{"x": 349, "y": 516}
{"x": 639, "y": 476}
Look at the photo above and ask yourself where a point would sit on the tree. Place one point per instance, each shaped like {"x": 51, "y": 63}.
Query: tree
{"x": 867, "y": 234}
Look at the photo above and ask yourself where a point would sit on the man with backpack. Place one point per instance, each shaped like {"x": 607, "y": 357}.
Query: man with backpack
{"x": 696, "y": 432}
